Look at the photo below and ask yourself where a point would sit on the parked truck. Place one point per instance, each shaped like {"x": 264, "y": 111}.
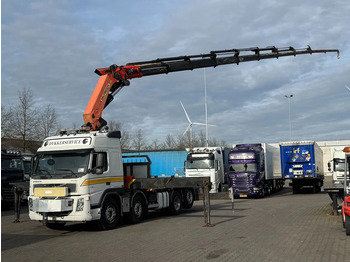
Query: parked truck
{"x": 12, "y": 171}
{"x": 333, "y": 161}
{"x": 80, "y": 177}
{"x": 165, "y": 163}
{"x": 302, "y": 162}
{"x": 207, "y": 162}
{"x": 254, "y": 170}
{"x": 334, "y": 166}
{"x": 346, "y": 202}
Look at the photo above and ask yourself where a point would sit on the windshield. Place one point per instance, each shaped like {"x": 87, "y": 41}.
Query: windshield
{"x": 61, "y": 164}
{"x": 245, "y": 168}
{"x": 27, "y": 167}
{"x": 14, "y": 165}
{"x": 339, "y": 164}
{"x": 200, "y": 163}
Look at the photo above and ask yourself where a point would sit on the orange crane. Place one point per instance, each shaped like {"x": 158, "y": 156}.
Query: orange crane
{"x": 114, "y": 78}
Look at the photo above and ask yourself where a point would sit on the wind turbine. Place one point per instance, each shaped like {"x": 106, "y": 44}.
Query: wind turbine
{"x": 189, "y": 128}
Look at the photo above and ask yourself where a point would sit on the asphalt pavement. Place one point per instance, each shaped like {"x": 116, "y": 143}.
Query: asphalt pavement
{"x": 280, "y": 227}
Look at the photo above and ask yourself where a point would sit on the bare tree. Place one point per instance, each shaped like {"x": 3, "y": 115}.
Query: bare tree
{"x": 6, "y": 116}
{"x": 24, "y": 121}
{"x": 223, "y": 143}
{"x": 213, "y": 142}
{"x": 155, "y": 145}
{"x": 139, "y": 140}
{"x": 182, "y": 142}
{"x": 202, "y": 139}
{"x": 125, "y": 139}
{"x": 48, "y": 121}
{"x": 169, "y": 142}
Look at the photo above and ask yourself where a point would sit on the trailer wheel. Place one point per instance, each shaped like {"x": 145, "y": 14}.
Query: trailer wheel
{"x": 109, "y": 215}
{"x": 269, "y": 190}
{"x": 138, "y": 209}
{"x": 175, "y": 204}
{"x": 188, "y": 198}
{"x": 347, "y": 224}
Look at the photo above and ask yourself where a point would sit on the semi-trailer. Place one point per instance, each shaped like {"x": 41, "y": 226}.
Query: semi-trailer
{"x": 80, "y": 177}
{"x": 254, "y": 170}
{"x": 208, "y": 162}
{"x": 302, "y": 162}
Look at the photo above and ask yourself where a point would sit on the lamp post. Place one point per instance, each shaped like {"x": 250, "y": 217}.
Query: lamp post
{"x": 290, "y": 123}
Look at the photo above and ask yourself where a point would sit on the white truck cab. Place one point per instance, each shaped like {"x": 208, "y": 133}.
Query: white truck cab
{"x": 337, "y": 167}
{"x": 206, "y": 162}
{"x": 71, "y": 174}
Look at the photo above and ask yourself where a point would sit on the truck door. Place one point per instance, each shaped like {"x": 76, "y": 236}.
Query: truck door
{"x": 99, "y": 181}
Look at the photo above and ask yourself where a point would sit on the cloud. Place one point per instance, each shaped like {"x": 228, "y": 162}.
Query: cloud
{"x": 53, "y": 48}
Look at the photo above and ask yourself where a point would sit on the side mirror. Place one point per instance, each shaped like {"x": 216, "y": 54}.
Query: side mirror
{"x": 100, "y": 161}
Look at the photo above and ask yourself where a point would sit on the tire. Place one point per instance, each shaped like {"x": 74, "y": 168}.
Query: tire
{"x": 220, "y": 188}
{"x": 262, "y": 193}
{"x": 138, "y": 209}
{"x": 269, "y": 190}
{"x": 55, "y": 225}
{"x": 175, "y": 204}
{"x": 347, "y": 225}
{"x": 296, "y": 189}
{"x": 110, "y": 215}
{"x": 188, "y": 198}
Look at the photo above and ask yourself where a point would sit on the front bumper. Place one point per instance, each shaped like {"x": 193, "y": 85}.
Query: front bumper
{"x": 61, "y": 209}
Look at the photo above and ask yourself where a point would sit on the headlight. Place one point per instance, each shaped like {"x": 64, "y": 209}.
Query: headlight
{"x": 80, "y": 204}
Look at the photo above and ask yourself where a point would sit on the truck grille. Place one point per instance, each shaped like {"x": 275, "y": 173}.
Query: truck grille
{"x": 240, "y": 182}
{"x": 7, "y": 194}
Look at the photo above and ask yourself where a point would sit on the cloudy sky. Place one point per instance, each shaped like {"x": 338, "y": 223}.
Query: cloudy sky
{"x": 53, "y": 48}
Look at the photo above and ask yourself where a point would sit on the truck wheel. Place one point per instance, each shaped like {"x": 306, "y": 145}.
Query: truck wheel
{"x": 269, "y": 190}
{"x": 262, "y": 195}
{"x": 176, "y": 204}
{"x": 220, "y": 188}
{"x": 188, "y": 198}
{"x": 138, "y": 209}
{"x": 347, "y": 225}
{"x": 109, "y": 215}
{"x": 296, "y": 189}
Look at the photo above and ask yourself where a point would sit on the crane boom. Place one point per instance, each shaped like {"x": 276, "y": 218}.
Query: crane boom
{"x": 114, "y": 78}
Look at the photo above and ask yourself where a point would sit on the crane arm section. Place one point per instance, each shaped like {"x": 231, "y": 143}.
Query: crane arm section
{"x": 114, "y": 78}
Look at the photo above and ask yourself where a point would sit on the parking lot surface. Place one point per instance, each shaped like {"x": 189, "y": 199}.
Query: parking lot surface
{"x": 281, "y": 227}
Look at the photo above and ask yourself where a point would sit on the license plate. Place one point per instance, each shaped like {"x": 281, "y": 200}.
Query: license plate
{"x": 243, "y": 195}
